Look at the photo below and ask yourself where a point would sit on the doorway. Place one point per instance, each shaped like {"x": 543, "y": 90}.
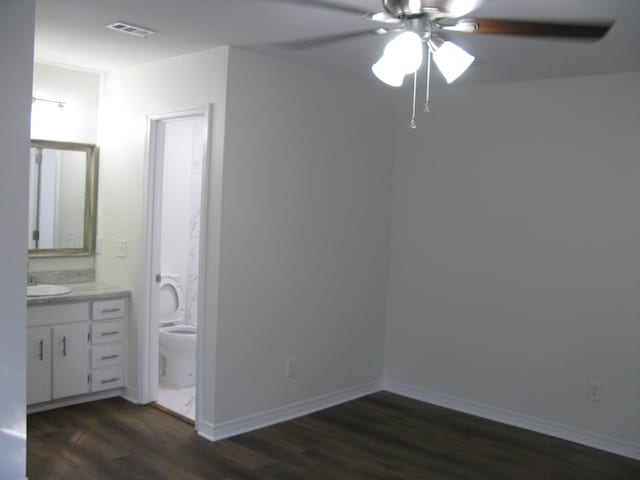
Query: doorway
{"x": 171, "y": 337}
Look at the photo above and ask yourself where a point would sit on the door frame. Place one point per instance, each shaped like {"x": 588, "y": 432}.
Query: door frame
{"x": 148, "y": 332}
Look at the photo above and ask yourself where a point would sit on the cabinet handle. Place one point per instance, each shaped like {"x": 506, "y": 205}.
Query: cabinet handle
{"x": 110, "y": 310}
{"x": 41, "y": 352}
{"x": 105, "y": 334}
{"x": 110, "y": 380}
{"x": 109, "y": 357}
{"x": 64, "y": 346}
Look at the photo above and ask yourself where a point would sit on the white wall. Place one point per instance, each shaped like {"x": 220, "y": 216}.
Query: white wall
{"x": 16, "y": 56}
{"x": 77, "y": 122}
{"x": 305, "y": 222}
{"x": 515, "y": 259}
{"x": 80, "y": 90}
{"x": 130, "y": 95}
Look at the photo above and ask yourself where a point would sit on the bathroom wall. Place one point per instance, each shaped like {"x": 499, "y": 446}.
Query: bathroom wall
{"x": 17, "y": 19}
{"x": 194, "y": 225}
{"x": 306, "y": 221}
{"x": 80, "y": 90}
{"x": 181, "y": 189}
{"x": 77, "y": 122}
{"x": 130, "y": 96}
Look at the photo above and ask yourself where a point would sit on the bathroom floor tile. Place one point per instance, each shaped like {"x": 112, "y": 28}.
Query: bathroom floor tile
{"x": 181, "y": 400}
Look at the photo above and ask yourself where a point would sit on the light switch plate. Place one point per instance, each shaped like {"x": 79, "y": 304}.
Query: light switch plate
{"x": 121, "y": 248}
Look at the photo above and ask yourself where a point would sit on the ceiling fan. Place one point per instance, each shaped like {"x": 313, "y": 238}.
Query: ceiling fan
{"x": 423, "y": 25}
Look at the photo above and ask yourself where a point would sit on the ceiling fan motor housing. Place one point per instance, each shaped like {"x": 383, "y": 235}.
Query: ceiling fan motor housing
{"x": 406, "y": 8}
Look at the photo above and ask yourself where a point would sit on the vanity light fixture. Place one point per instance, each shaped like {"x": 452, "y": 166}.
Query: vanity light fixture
{"x": 60, "y": 103}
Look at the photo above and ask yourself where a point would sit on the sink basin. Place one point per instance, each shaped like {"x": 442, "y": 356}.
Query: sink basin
{"x": 46, "y": 290}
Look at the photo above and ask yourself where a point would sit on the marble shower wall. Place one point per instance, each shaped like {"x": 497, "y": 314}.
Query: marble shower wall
{"x": 194, "y": 223}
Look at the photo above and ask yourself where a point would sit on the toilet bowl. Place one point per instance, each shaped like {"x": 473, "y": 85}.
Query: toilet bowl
{"x": 178, "y": 347}
{"x": 177, "y": 340}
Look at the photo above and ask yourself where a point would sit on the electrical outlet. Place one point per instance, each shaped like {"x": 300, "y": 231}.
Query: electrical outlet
{"x": 291, "y": 367}
{"x": 595, "y": 392}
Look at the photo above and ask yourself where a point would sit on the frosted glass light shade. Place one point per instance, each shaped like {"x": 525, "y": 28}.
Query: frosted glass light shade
{"x": 452, "y": 61}
{"x": 405, "y": 51}
{"x": 387, "y": 72}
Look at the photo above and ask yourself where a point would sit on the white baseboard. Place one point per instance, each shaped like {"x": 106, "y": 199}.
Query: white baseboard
{"x": 90, "y": 397}
{"x": 130, "y": 394}
{"x": 287, "y": 412}
{"x": 206, "y": 429}
{"x": 565, "y": 432}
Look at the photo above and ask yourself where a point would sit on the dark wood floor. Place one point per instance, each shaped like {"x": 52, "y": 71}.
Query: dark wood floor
{"x": 382, "y": 436}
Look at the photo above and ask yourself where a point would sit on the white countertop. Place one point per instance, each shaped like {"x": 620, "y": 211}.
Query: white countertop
{"x": 80, "y": 292}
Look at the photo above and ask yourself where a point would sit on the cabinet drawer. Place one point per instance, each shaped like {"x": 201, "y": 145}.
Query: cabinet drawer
{"x": 38, "y": 316}
{"x": 105, "y": 309}
{"x": 105, "y": 378}
{"x": 107, "y": 332}
{"x": 106, "y": 355}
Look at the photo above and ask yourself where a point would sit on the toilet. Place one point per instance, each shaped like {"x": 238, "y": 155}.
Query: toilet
{"x": 177, "y": 340}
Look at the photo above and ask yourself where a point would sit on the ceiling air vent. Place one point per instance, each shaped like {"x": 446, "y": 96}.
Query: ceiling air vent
{"x": 131, "y": 29}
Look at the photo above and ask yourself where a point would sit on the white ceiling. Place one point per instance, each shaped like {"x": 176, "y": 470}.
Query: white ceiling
{"x": 72, "y": 32}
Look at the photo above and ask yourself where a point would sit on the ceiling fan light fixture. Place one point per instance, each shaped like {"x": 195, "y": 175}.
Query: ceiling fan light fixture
{"x": 387, "y": 72}
{"x": 405, "y": 52}
{"x": 451, "y": 60}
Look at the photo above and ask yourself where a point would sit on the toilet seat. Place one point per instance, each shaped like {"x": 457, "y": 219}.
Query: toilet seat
{"x": 179, "y": 330}
{"x": 172, "y": 305}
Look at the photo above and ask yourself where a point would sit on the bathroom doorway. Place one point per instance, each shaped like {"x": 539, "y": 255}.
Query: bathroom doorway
{"x": 174, "y": 273}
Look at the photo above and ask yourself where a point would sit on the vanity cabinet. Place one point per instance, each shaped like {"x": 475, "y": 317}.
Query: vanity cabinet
{"x": 107, "y": 344}
{"x": 39, "y": 362}
{"x": 75, "y": 349}
{"x": 70, "y": 367}
{"x": 56, "y": 362}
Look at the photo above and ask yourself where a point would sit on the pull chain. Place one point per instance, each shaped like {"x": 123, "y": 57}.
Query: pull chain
{"x": 412, "y": 123}
{"x": 427, "y": 106}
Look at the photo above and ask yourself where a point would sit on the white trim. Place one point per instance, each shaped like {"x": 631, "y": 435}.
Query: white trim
{"x": 90, "y": 397}
{"x": 547, "y": 427}
{"x": 202, "y": 259}
{"x": 287, "y": 412}
{"x": 148, "y": 334}
{"x": 130, "y": 395}
{"x": 206, "y": 429}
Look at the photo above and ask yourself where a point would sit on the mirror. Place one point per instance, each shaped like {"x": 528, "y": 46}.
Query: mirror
{"x": 62, "y": 198}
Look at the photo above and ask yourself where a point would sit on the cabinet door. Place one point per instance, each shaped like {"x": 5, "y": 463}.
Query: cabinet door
{"x": 38, "y": 365}
{"x": 70, "y": 360}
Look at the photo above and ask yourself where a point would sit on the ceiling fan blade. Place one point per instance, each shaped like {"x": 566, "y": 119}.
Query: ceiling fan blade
{"x": 327, "y": 5}
{"x": 325, "y": 40}
{"x": 486, "y": 26}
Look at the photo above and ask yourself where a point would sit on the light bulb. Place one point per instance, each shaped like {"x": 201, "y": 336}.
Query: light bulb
{"x": 452, "y": 60}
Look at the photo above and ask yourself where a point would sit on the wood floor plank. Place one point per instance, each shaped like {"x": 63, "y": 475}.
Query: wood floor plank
{"x": 378, "y": 437}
